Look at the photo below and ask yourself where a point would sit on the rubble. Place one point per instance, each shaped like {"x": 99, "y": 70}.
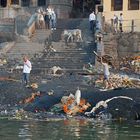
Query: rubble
{"x": 31, "y": 98}
{"x": 9, "y": 79}
{"x": 51, "y": 92}
{"x": 3, "y": 62}
{"x": 130, "y": 64}
{"x": 34, "y": 85}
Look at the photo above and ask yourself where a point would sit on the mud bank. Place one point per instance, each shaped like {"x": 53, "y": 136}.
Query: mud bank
{"x": 118, "y": 107}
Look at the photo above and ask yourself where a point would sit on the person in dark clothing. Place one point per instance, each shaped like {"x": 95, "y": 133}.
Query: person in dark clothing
{"x": 121, "y": 22}
{"x": 47, "y": 20}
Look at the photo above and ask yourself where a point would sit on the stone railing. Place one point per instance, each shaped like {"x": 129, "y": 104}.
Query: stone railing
{"x": 32, "y": 25}
{"x": 128, "y": 25}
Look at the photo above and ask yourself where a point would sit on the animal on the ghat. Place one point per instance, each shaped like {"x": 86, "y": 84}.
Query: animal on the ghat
{"x": 73, "y": 35}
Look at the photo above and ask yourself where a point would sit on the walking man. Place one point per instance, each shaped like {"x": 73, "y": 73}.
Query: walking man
{"x": 92, "y": 21}
{"x": 26, "y": 70}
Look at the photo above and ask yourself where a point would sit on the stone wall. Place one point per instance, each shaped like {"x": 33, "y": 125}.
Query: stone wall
{"x": 128, "y": 44}
{"x": 121, "y": 45}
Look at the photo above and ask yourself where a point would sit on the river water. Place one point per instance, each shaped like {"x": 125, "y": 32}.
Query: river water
{"x": 68, "y": 129}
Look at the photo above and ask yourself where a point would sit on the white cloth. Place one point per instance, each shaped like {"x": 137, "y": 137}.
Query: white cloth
{"x": 78, "y": 96}
{"x": 92, "y": 17}
{"x": 106, "y": 69}
{"x": 27, "y": 67}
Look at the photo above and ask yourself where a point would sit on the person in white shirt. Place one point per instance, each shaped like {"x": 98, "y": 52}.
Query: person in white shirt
{"x": 53, "y": 20}
{"x": 115, "y": 22}
{"x": 106, "y": 73}
{"x": 92, "y": 20}
{"x": 26, "y": 70}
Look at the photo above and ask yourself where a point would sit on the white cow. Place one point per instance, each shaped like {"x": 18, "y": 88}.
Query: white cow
{"x": 73, "y": 35}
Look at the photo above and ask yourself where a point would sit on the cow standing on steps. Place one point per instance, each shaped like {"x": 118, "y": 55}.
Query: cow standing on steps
{"x": 74, "y": 35}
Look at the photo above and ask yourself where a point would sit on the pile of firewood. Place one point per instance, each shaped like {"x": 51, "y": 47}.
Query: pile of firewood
{"x": 117, "y": 81}
{"x": 131, "y": 64}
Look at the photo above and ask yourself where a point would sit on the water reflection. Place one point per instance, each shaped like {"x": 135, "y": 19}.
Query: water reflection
{"x": 74, "y": 126}
{"x": 25, "y": 132}
{"x": 69, "y": 129}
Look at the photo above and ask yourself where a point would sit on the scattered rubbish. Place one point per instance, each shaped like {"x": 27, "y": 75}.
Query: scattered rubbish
{"x": 51, "y": 92}
{"x": 34, "y": 85}
{"x": 20, "y": 114}
{"x": 52, "y": 48}
{"x": 30, "y": 99}
{"x": 130, "y": 64}
{"x": 18, "y": 67}
{"x": 9, "y": 79}
{"x": 3, "y": 62}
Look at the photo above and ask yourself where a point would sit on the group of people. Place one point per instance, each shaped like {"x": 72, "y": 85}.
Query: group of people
{"x": 46, "y": 18}
{"x": 118, "y": 21}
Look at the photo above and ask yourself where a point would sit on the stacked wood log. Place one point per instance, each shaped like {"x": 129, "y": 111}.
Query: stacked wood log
{"x": 117, "y": 81}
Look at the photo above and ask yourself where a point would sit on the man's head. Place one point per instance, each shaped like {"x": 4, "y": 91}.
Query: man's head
{"x": 25, "y": 58}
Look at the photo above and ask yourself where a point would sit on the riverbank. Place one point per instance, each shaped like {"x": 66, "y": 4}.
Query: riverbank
{"x": 71, "y": 59}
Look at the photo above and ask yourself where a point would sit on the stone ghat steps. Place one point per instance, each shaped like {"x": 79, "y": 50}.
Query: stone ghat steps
{"x": 25, "y": 48}
{"x": 71, "y": 56}
{"x": 65, "y": 66}
{"x": 40, "y": 35}
{"x": 27, "y": 45}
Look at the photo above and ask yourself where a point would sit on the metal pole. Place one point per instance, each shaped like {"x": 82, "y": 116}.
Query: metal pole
{"x": 132, "y": 26}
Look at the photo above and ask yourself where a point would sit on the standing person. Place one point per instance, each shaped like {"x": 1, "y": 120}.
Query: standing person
{"x": 92, "y": 21}
{"x": 26, "y": 70}
{"x": 121, "y": 22}
{"x": 47, "y": 19}
{"x": 115, "y": 21}
{"x": 53, "y": 20}
{"x": 106, "y": 73}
